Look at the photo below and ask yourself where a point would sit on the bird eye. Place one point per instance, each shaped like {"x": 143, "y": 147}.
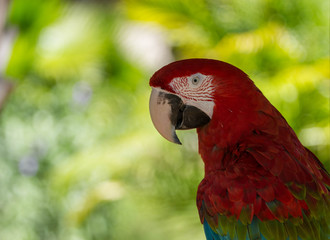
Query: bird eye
{"x": 195, "y": 81}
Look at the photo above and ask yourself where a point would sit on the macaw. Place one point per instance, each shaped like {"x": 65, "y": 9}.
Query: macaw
{"x": 259, "y": 181}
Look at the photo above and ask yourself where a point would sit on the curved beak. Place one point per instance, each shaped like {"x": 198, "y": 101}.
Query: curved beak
{"x": 169, "y": 113}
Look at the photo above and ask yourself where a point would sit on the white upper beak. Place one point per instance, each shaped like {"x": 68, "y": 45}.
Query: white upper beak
{"x": 160, "y": 112}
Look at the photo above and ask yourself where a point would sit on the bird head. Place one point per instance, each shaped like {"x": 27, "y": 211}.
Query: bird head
{"x": 185, "y": 93}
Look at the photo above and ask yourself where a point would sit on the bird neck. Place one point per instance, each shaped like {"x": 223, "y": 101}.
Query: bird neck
{"x": 222, "y": 140}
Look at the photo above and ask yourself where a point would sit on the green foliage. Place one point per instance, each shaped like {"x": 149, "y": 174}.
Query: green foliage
{"x": 80, "y": 158}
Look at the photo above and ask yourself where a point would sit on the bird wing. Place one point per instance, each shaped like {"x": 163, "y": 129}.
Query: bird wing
{"x": 268, "y": 191}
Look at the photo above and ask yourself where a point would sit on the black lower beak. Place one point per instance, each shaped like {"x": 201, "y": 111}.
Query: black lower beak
{"x": 185, "y": 116}
{"x": 191, "y": 117}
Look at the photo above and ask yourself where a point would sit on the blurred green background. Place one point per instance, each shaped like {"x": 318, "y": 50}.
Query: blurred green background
{"x": 79, "y": 156}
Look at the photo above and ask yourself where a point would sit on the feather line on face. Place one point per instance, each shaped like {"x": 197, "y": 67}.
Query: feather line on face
{"x": 200, "y": 91}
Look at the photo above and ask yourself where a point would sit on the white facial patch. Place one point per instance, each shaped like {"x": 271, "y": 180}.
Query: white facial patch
{"x": 196, "y": 87}
{"x": 196, "y": 90}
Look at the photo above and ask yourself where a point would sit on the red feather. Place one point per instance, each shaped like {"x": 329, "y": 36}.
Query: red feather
{"x": 255, "y": 166}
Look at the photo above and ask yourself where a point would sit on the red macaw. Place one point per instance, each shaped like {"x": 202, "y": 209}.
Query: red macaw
{"x": 260, "y": 181}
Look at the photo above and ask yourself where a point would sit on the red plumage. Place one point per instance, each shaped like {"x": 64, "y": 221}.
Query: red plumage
{"x": 255, "y": 166}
